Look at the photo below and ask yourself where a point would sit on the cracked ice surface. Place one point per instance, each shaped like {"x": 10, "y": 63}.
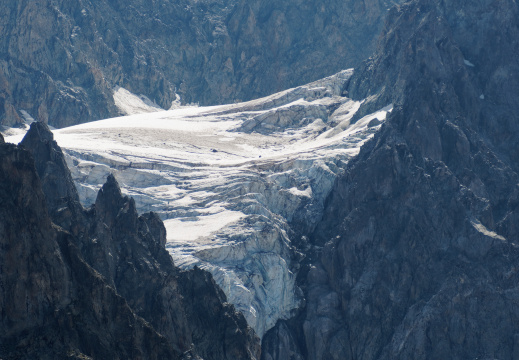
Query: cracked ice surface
{"x": 234, "y": 184}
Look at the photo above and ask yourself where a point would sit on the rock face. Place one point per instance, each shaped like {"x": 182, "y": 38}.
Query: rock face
{"x": 60, "y": 61}
{"x": 102, "y": 285}
{"x": 61, "y": 196}
{"x": 416, "y": 254}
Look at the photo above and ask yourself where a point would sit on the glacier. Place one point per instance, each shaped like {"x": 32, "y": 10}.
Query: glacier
{"x": 235, "y": 184}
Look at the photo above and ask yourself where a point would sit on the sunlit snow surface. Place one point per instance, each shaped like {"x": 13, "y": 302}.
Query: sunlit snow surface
{"x": 129, "y": 103}
{"x": 230, "y": 181}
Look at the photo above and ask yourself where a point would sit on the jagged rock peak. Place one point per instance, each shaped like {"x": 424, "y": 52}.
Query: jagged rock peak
{"x": 2, "y": 141}
{"x": 53, "y": 305}
{"x": 112, "y": 184}
{"x": 419, "y": 236}
{"x": 38, "y": 131}
{"x": 156, "y": 227}
{"x": 60, "y": 192}
{"x": 104, "y": 288}
{"x": 110, "y": 192}
{"x": 111, "y": 205}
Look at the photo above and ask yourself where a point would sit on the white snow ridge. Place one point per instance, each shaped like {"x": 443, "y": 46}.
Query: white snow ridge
{"x": 231, "y": 182}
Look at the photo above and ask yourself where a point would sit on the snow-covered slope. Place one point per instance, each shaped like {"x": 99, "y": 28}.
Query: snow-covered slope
{"x": 131, "y": 104}
{"x": 234, "y": 184}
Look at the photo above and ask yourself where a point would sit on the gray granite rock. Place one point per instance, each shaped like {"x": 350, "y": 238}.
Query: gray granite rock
{"x": 53, "y": 304}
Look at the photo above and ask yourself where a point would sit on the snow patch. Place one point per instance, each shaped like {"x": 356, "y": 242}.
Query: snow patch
{"x": 483, "y": 230}
{"x": 303, "y": 193}
{"x": 197, "y": 229}
{"x": 14, "y": 135}
{"x": 130, "y": 104}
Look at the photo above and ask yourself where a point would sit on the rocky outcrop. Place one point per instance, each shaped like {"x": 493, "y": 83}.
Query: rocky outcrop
{"x": 416, "y": 254}
{"x": 188, "y": 308}
{"x": 103, "y": 277}
{"x": 60, "y": 62}
{"x": 285, "y": 44}
{"x": 53, "y": 304}
{"x": 61, "y": 196}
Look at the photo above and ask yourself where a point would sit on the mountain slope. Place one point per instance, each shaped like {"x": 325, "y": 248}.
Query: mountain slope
{"x": 61, "y": 62}
{"x": 417, "y": 251}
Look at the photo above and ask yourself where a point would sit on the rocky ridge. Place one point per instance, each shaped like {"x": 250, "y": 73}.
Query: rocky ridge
{"x": 101, "y": 284}
{"x": 416, "y": 254}
{"x": 61, "y": 62}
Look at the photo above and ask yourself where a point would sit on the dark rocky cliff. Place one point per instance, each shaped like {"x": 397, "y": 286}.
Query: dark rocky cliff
{"x": 416, "y": 256}
{"x": 100, "y": 284}
{"x": 60, "y": 60}
{"x": 53, "y": 304}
